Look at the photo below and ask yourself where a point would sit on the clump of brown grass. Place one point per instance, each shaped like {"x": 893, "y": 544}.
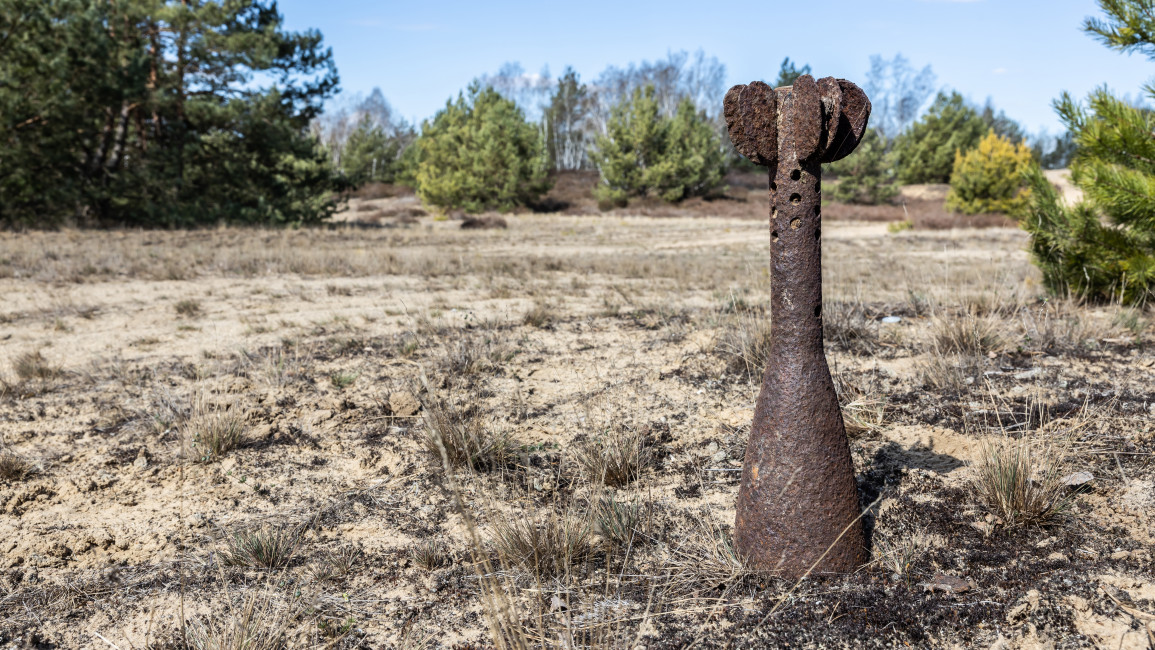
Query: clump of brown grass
{"x": 1059, "y": 325}
{"x": 460, "y": 438}
{"x": 32, "y": 366}
{"x": 429, "y": 555}
{"x": 213, "y": 431}
{"x": 1021, "y": 481}
{"x": 279, "y": 365}
{"x": 539, "y": 316}
{"x": 267, "y": 547}
{"x": 188, "y": 308}
{"x": 899, "y": 556}
{"x": 342, "y": 380}
{"x": 255, "y": 626}
{"x": 473, "y": 354}
{"x": 846, "y": 325}
{"x": 707, "y": 560}
{"x": 553, "y": 546}
{"x": 619, "y": 522}
{"x": 949, "y": 373}
{"x": 615, "y": 458}
{"x": 745, "y": 343}
{"x": 15, "y": 468}
{"x": 863, "y": 404}
{"x": 334, "y": 564}
{"x": 969, "y": 334}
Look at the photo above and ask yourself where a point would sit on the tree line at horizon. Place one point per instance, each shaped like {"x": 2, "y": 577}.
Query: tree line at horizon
{"x": 180, "y": 113}
{"x": 655, "y": 130}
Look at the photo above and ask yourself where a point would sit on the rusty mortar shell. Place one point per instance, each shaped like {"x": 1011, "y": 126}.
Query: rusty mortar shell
{"x": 798, "y": 506}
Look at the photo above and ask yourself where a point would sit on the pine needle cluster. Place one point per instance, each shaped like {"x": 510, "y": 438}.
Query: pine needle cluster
{"x": 989, "y": 178}
{"x": 1103, "y": 248}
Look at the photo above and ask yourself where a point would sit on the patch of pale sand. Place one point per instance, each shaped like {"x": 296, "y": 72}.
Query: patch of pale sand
{"x": 968, "y": 254}
{"x": 924, "y": 191}
{"x": 1140, "y": 495}
{"x": 853, "y": 230}
{"x": 1107, "y": 631}
{"x": 1061, "y": 178}
{"x": 933, "y": 448}
{"x": 141, "y": 627}
{"x": 1136, "y": 587}
{"x": 136, "y": 320}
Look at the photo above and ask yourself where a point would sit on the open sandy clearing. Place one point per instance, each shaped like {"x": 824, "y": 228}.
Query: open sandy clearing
{"x": 330, "y": 348}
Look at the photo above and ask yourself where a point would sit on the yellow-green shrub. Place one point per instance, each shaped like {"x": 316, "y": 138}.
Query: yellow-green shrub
{"x": 989, "y": 178}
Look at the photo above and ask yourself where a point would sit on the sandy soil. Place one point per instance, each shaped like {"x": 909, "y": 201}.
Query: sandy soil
{"x": 331, "y": 346}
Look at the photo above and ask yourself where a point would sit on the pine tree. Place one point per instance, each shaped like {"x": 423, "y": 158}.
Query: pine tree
{"x": 370, "y": 154}
{"x": 480, "y": 153}
{"x": 152, "y": 112}
{"x": 867, "y": 177}
{"x": 788, "y": 72}
{"x": 989, "y": 178}
{"x": 565, "y": 123}
{"x": 644, "y": 153}
{"x": 634, "y": 140}
{"x": 925, "y": 152}
{"x": 1104, "y": 247}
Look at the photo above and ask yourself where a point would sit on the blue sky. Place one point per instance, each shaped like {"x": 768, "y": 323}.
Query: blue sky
{"x": 1020, "y": 54}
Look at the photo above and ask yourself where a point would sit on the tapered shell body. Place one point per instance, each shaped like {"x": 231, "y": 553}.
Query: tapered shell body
{"x": 798, "y": 506}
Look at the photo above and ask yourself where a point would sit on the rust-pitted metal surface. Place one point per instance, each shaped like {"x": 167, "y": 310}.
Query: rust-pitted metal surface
{"x": 798, "y": 503}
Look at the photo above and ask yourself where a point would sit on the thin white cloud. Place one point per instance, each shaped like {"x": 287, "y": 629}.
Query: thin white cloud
{"x": 421, "y": 27}
{"x": 378, "y": 22}
{"x": 999, "y": 71}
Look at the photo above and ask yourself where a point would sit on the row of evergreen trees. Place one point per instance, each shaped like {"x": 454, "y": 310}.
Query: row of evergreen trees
{"x": 160, "y": 113}
{"x": 646, "y": 129}
{"x": 660, "y": 143}
{"x": 980, "y": 152}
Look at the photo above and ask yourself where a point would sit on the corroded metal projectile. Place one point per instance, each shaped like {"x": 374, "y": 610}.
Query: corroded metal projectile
{"x": 798, "y": 504}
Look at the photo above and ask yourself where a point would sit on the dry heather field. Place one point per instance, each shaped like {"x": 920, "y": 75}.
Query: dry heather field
{"x": 417, "y": 436}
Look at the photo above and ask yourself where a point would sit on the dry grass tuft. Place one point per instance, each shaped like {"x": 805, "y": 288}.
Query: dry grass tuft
{"x": 553, "y": 546}
{"x": 460, "y": 438}
{"x": 429, "y": 555}
{"x": 32, "y": 366}
{"x": 745, "y": 343}
{"x": 343, "y": 380}
{"x": 846, "y": 325}
{"x": 279, "y": 366}
{"x": 898, "y": 556}
{"x": 708, "y": 561}
{"x": 1021, "y": 481}
{"x": 1061, "y": 325}
{"x": 188, "y": 308}
{"x": 539, "y": 316}
{"x": 213, "y": 431}
{"x": 616, "y": 458}
{"x": 15, "y": 468}
{"x": 863, "y": 405}
{"x": 472, "y": 354}
{"x": 619, "y": 522}
{"x": 949, "y": 373}
{"x": 968, "y": 334}
{"x": 256, "y": 626}
{"x": 268, "y": 547}
{"x": 334, "y": 564}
